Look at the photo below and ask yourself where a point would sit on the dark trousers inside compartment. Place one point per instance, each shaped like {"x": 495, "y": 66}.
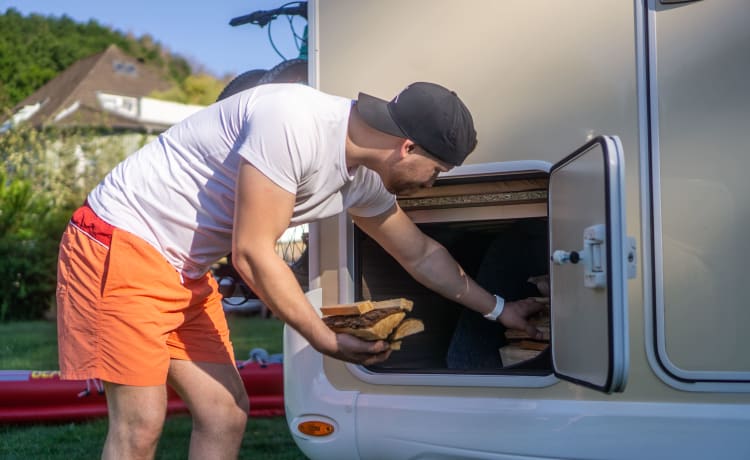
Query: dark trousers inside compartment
{"x": 499, "y": 255}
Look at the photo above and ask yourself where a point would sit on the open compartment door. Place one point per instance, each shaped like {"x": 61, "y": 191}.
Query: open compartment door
{"x": 590, "y": 261}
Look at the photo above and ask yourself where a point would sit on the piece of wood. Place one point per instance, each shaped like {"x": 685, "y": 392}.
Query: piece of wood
{"x": 532, "y": 345}
{"x": 404, "y": 304}
{"x": 357, "y": 308}
{"x": 544, "y": 300}
{"x": 511, "y": 355}
{"x": 374, "y": 320}
{"x": 540, "y": 320}
{"x": 514, "y": 334}
{"x": 373, "y": 325}
{"x": 407, "y": 327}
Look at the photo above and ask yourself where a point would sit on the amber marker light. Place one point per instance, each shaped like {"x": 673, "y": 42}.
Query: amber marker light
{"x": 315, "y": 428}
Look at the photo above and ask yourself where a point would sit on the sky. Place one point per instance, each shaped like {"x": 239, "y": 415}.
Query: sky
{"x": 197, "y": 30}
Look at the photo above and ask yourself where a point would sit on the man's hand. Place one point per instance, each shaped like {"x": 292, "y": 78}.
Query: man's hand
{"x": 542, "y": 284}
{"x": 515, "y": 316}
{"x": 358, "y": 351}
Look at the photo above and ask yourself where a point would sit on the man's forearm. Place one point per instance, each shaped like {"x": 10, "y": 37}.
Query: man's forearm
{"x": 274, "y": 282}
{"x": 439, "y": 271}
{"x": 272, "y": 279}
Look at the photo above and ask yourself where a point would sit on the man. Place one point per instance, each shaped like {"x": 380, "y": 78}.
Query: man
{"x": 137, "y": 306}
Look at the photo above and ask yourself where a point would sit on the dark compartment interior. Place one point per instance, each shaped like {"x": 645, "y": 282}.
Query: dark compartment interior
{"x": 500, "y": 255}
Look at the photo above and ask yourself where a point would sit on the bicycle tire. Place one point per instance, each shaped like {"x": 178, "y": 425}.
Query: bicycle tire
{"x": 242, "y": 82}
{"x": 289, "y": 71}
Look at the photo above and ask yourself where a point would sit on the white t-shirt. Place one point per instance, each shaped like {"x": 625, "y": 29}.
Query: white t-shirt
{"x": 177, "y": 192}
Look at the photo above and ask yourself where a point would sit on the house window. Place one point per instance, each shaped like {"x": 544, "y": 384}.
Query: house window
{"x": 121, "y": 105}
{"x": 125, "y": 68}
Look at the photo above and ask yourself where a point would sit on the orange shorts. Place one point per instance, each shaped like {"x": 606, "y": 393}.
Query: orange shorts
{"x": 123, "y": 311}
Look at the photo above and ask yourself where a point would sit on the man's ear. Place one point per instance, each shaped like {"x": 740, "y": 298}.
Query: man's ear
{"x": 408, "y": 146}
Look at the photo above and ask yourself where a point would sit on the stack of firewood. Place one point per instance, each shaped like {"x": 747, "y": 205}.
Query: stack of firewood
{"x": 521, "y": 346}
{"x": 370, "y": 320}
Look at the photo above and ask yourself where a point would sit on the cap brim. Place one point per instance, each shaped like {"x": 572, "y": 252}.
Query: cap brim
{"x": 375, "y": 113}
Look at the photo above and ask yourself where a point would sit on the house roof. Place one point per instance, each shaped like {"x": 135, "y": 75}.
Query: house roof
{"x": 70, "y": 99}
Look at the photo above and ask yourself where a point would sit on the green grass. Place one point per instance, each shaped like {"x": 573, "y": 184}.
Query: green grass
{"x": 33, "y": 345}
{"x": 28, "y": 345}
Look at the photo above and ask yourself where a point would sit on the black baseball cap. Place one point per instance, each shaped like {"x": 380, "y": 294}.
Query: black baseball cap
{"x": 430, "y": 115}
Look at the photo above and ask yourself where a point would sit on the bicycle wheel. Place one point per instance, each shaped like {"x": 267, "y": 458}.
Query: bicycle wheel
{"x": 289, "y": 71}
{"x": 292, "y": 247}
{"x": 242, "y": 82}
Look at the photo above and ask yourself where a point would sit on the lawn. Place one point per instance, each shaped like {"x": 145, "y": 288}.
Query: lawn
{"x": 32, "y": 345}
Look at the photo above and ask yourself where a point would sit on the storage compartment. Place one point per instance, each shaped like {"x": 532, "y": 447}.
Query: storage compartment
{"x": 496, "y": 228}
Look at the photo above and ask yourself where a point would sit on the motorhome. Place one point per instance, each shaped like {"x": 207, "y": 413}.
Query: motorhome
{"x": 615, "y": 130}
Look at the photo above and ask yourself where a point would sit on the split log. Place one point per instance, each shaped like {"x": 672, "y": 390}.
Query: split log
{"x": 511, "y": 355}
{"x": 522, "y": 346}
{"x": 513, "y": 334}
{"x": 409, "y": 326}
{"x": 373, "y": 325}
{"x": 369, "y": 320}
{"x": 360, "y": 308}
{"x": 403, "y": 304}
{"x": 533, "y": 345}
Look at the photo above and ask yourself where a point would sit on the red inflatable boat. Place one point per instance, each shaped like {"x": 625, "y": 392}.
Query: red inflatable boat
{"x": 40, "y": 396}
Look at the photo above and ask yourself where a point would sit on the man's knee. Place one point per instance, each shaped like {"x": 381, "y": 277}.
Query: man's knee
{"x": 237, "y": 416}
{"x": 136, "y": 415}
{"x": 134, "y": 433}
{"x": 215, "y": 395}
{"x": 228, "y": 415}
{"x": 231, "y": 413}
{"x": 145, "y": 417}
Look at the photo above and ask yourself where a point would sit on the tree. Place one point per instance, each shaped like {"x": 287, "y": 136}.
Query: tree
{"x": 35, "y": 48}
{"x": 202, "y": 89}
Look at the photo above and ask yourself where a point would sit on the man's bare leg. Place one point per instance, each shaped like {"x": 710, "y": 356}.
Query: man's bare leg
{"x": 136, "y": 419}
{"x": 217, "y": 400}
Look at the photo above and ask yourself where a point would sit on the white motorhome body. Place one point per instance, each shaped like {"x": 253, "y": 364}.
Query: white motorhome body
{"x": 646, "y": 100}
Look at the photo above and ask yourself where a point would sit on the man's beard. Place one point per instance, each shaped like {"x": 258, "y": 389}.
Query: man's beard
{"x": 402, "y": 188}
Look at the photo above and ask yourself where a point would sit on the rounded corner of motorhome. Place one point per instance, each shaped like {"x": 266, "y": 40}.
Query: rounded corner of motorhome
{"x": 671, "y": 165}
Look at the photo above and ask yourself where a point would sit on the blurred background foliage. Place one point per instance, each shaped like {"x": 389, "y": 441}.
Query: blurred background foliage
{"x": 35, "y": 48}
{"x": 48, "y": 172}
{"x": 46, "y": 176}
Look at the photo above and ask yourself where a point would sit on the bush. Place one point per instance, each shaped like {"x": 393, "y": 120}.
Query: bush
{"x": 29, "y": 230}
{"x": 46, "y": 175}
{"x": 27, "y": 278}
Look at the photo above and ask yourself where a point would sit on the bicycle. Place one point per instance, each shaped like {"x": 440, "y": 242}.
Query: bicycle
{"x": 292, "y": 70}
{"x": 292, "y": 247}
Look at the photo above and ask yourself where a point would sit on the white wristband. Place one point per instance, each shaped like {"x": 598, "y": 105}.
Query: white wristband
{"x": 498, "y": 310}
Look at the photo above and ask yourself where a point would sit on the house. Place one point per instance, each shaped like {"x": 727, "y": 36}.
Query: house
{"x": 108, "y": 89}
